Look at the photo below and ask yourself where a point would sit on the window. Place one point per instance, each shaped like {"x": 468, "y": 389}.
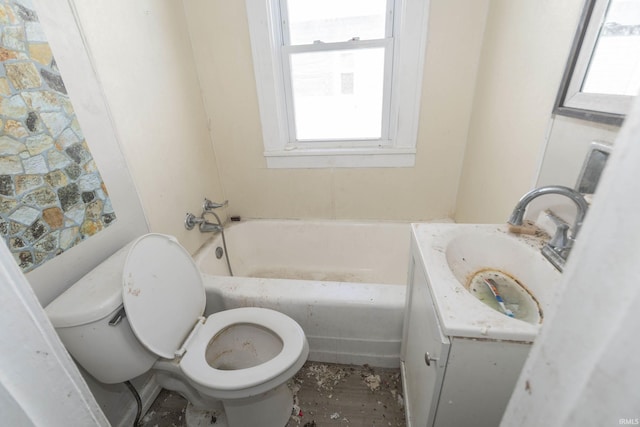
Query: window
{"x": 603, "y": 73}
{"x": 338, "y": 80}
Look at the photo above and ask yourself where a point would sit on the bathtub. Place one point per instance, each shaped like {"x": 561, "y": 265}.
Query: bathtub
{"x": 343, "y": 282}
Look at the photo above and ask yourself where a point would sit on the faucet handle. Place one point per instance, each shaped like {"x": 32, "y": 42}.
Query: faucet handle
{"x": 560, "y": 240}
{"x": 190, "y": 221}
{"x": 208, "y": 205}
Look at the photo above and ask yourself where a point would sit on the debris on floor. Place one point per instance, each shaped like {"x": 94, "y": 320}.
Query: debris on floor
{"x": 326, "y": 376}
{"x": 331, "y": 394}
{"x": 372, "y": 381}
{"x": 324, "y": 395}
{"x": 168, "y": 410}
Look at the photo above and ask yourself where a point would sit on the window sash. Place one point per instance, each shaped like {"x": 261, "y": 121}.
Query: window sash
{"x": 385, "y": 138}
{"x": 284, "y": 27}
{"x": 287, "y": 50}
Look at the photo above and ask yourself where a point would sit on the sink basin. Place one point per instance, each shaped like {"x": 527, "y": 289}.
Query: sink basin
{"x": 459, "y": 258}
{"x": 517, "y": 257}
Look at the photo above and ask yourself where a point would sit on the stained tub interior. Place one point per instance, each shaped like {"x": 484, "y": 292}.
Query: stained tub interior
{"x": 343, "y": 282}
{"x": 340, "y": 251}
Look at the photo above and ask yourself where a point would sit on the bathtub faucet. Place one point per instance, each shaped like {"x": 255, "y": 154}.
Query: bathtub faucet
{"x": 190, "y": 221}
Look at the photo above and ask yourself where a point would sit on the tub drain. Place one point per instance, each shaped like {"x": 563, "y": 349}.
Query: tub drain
{"x": 516, "y": 297}
{"x": 219, "y": 252}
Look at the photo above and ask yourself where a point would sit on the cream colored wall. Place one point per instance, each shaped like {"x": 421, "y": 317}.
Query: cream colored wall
{"x": 220, "y": 39}
{"x": 142, "y": 54}
{"x": 567, "y": 147}
{"x": 524, "y": 55}
{"x": 565, "y": 152}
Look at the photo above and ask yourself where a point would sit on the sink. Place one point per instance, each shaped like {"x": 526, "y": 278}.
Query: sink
{"x": 459, "y": 258}
{"x": 515, "y": 259}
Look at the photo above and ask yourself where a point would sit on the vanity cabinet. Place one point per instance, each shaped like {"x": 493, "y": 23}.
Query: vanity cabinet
{"x": 452, "y": 381}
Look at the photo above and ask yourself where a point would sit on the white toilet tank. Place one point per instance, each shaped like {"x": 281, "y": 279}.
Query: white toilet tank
{"x": 81, "y": 316}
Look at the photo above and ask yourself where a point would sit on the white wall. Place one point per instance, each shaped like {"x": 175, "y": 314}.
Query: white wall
{"x": 567, "y": 147}
{"x": 525, "y": 50}
{"x": 220, "y": 39}
{"x": 143, "y": 58}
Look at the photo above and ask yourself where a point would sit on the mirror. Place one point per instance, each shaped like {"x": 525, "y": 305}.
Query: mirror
{"x": 603, "y": 72}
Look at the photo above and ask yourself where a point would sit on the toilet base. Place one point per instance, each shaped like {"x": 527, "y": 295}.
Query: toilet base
{"x": 195, "y": 417}
{"x": 270, "y": 409}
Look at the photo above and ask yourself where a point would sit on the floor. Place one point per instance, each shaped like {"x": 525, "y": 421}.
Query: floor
{"x": 324, "y": 395}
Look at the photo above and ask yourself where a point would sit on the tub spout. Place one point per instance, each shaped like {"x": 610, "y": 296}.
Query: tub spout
{"x": 190, "y": 221}
{"x": 208, "y": 227}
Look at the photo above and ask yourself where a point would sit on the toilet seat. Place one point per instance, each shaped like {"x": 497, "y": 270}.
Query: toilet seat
{"x": 228, "y": 384}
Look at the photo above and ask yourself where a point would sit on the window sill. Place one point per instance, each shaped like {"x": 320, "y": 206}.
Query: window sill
{"x": 341, "y": 158}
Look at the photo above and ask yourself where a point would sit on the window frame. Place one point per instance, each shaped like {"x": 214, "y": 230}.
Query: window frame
{"x": 397, "y": 145}
{"x": 571, "y": 101}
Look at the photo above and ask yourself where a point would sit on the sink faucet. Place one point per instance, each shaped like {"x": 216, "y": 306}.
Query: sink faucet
{"x": 558, "y": 248}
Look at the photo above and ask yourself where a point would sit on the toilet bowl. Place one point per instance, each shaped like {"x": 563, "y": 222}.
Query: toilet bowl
{"x": 142, "y": 309}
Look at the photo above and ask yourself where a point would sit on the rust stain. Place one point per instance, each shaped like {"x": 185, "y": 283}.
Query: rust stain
{"x": 519, "y": 283}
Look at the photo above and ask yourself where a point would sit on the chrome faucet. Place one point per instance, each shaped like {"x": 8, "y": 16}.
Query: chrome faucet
{"x": 208, "y": 205}
{"x": 558, "y": 248}
{"x": 190, "y": 221}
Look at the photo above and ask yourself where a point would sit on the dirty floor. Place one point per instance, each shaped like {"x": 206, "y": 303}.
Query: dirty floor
{"x": 326, "y": 395}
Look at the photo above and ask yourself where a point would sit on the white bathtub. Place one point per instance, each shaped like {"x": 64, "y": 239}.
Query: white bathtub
{"x": 344, "y": 282}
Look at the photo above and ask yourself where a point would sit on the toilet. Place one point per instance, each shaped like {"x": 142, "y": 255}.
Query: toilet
{"x": 142, "y": 309}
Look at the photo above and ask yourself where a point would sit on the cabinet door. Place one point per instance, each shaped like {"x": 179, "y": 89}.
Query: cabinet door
{"x": 481, "y": 376}
{"x": 424, "y": 351}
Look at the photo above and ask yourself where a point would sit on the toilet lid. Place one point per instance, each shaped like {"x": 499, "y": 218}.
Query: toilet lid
{"x": 163, "y": 293}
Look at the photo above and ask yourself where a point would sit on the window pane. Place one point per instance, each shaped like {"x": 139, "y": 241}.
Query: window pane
{"x": 338, "y": 94}
{"x": 615, "y": 65}
{"x": 335, "y": 20}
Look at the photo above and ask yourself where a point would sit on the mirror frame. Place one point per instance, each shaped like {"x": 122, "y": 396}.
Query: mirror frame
{"x": 575, "y": 70}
